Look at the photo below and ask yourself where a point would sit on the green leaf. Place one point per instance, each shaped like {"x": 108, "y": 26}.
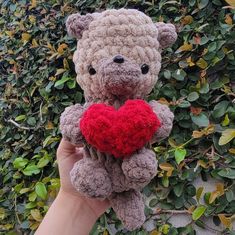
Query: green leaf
{"x": 198, "y": 212}
{"x": 36, "y": 215}
{"x": 200, "y": 224}
{"x": 179, "y": 74}
{"x": 32, "y": 196}
{"x": 192, "y": 96}
{"x": 165, "y": 181}
{"x": 49, "y": 140}
{"x": 167, "y": 74}
{"x": 31, "y": 121}
{"x": 173, "y": 231}
{"x": 226, "y": 120}
{"x": 227, "y": 173}
{"x": 62, "y": 81}
{"x": 200, "y": 120}
{"x": 230, "y": 195}
{"x": 24, "y": 190}
{"x": 201, "y": 63}
{"x": 191, "y": 190}
{"x": 55, "y": 183}
{"x": 207, "y": 197}
{"x": 184, "y": 104}
{"x": 204, "y": 88}
{"x": 202, "y": 3}
{"x": 20, "y": 162}
{"x": 43, "y": 162}
{"x": 13, "y": 7}
{"x": 220, "y": 109}
{"x": 153, "y": 202}
{"x": 20, "y": 118}
{"x": 2, "y": 213}
{"x": 71, "y": 84}
{"x": 30, "y": 170}
{"x": 165, "y": 229}
{"x": 180, "y": 155}
{"x": 212, "y": 46}
{"x": 192, "y": 2}
{"x": 227, "y": 136}
{"x": 30, "y": 205}
{"x": 41, "y": 190}
{"x": 199, "y": 193}
{"x": 178, "y": 189}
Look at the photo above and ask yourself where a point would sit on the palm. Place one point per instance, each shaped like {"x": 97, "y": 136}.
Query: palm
{"x": 67, "y": 155}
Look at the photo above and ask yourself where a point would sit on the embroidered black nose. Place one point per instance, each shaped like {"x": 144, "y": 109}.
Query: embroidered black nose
{"x": 118, "y": 59}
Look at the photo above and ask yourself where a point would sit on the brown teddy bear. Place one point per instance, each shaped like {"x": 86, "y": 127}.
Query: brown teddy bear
{"x": 117, "y": 61}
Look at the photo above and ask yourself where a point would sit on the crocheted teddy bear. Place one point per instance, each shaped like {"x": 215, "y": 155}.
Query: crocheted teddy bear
{"x": 117, "y": 61}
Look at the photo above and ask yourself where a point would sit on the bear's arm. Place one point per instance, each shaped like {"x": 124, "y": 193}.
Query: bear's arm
{"x": 69, "y": 124}
{"x": 166, "y": 118}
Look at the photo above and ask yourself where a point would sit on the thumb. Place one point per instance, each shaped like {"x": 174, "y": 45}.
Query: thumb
{"x": 65, "y": 149}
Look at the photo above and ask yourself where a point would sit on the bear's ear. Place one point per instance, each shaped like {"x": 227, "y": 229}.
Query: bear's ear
{"x": 166, "y": 34}
{"x": 76, "y": 24}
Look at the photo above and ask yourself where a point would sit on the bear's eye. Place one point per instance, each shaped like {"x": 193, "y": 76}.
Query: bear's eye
{"x": 144, "y": 68}
{"x": 91, "y": 70}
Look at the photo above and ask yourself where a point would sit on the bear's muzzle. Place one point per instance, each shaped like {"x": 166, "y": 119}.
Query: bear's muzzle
{"x": 120, "y": 76}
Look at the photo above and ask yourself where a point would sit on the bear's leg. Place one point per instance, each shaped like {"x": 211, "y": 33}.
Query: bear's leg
{"x": 140, "y": 168}
{"x": 90, "y": 178}
{"x": 129, "y": 207}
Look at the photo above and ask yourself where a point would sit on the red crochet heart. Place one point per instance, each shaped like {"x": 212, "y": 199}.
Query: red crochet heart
{"x": 119, "y": 132}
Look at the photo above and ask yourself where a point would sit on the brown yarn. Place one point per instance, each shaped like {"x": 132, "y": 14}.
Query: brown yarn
{"x": 102, "y": 36}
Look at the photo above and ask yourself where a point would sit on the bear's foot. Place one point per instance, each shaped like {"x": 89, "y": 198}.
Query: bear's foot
{"x": 90, "y": 178}
{"x": 129, "y": 207}
{"x": 140, "y": 168}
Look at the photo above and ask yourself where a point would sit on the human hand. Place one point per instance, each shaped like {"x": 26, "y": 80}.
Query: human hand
{"x": 70, "y": 212}
{"x": 67, "y": 155}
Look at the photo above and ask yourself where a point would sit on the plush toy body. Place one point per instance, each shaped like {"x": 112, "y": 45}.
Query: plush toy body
{"x": 117, "y": 63}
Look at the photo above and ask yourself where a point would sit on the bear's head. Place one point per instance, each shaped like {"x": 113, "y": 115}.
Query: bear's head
{"x": 118, "y": 54}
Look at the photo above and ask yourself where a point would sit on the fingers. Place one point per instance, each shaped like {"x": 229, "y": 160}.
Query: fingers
{"x": 79, "y": 153}
{"x": 65, "y": 149}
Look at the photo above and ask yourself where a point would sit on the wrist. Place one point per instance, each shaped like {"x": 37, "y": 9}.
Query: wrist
{"x": 78, "y": 206}
{"x": 68, "y": 214}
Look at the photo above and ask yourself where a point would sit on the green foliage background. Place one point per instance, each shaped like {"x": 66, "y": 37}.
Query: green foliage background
{"x": 38, "y": 82}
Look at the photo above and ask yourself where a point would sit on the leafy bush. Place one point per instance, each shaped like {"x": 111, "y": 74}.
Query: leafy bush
{"x": 197, "y": 82}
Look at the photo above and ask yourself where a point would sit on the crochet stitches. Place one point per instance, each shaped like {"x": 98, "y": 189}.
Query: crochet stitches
{"x": 119, "y": 132}
{"x": 118, "y": 58}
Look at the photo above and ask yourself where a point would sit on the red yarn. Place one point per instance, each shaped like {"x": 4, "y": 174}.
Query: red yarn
{"x": 119, "y": 132}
